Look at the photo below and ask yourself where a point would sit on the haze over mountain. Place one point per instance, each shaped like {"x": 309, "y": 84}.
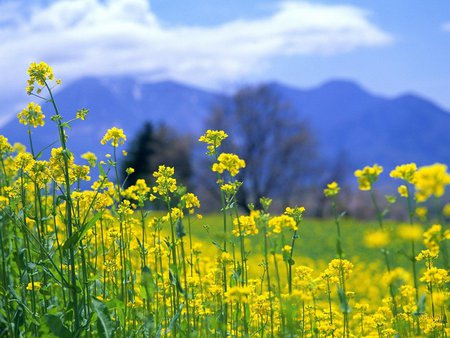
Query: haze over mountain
{"x": 346, "y": 120}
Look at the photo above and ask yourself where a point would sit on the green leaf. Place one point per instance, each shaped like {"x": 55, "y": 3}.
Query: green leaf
{"x": 105, "y": 325}
{"x": 175, "y": 318}
{"x": 391, "y": 199}
{"x": 421, "y": 305}
{"x": 77, "y": 235}
{"x": 175, "y": 281}
{"x": 345, "y": 308}
{"x": 101, "y": 170}
{"x": 57, "y": 327}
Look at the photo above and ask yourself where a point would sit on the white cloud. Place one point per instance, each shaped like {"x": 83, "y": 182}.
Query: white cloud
{"x": 446, "y": 26}
{"x": 93, "y": 37}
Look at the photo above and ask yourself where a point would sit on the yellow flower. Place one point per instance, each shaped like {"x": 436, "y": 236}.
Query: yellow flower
{"x": 431, "y": 181}
{"x": 229, "y": 162}
{"x": 403, "y": 190}
{"x": 231, "y": 188}
{"x": 82, "y": 113}
{"x": 286, "y": 249}
{"x": 376, "y": 239}
{"x": 129, "y": 171}
{"x": 337, "y": 265}
{"x": 432, "y": 238}
{"x": 435, "y": 276}
{"x": 332, "y": 189}
{"x": 421, "y": 212}
{"x": 397, "y": 275}
{"x": 446, "y": 210}
{"x": 213, "y": 139}
{"x": 412, "y": 232}
{"x": 32, "y": 115}
{"x": 238, "y": 294}
{"x": 277, "y": 223}
{"x": 5, "y": 147}
{"x": 190, "y": 202}
{"x": 296, "y": 213}
{"x": 115, "y": 135}
{"x": 165, "y": 183}
{"x": 245, "y": 226}
{"x": 405, "y": 172}
{"x": 37, "y": 286}
{"x": 90, "y": 157}
{"x": 39, "y": 74}
{"x": 367, "y": 176}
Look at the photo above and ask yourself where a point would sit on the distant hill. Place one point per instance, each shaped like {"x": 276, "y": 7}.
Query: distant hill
{"x": 346, "y": 119}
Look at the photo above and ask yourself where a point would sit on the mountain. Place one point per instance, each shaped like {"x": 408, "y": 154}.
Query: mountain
{"x": 120, "y": 102}
{"x": 349, "y": 123}
{"x": 366, "y": 128}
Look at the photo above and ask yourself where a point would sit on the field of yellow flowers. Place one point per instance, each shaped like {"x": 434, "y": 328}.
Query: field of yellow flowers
{"x": 97, "y": 263}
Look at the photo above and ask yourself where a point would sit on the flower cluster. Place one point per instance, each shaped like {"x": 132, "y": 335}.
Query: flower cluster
{"x": 39, "y": 74}
{"x": 165, "y": 182}
{"x": 367, "y": 176}
{"x": 431, "y": 181}
{"x": 213, "y": 139}
{"x": 115, "y": 135}
{"x": 278, "y": 223}
{"x": 229, "y": 162}
{"x": 32, "y": 115}
{"x": 332, "y": 189}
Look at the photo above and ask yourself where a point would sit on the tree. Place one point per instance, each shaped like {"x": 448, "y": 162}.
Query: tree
{"x": 153, "y": 147}
{"x": 266, "y": 132}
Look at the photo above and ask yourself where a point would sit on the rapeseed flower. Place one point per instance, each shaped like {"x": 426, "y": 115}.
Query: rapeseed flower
{"x": 39, "y": 74}
{"x": 190, "y": 202}
{"x": 376, "y": 239}
{"x": 115, "y": 135}
{"x": 405, "y": 172}
{"x": 244, "y": 226}
{"x": 431, "y": 181}
{"x": 367, "y": 176}
{"x": 5, "y": 147}
{"x": 229, "y": 162}
{"x": 90, "y": 157}
{"x": 411, "y": 232}
{"x": 332, "y": 189}
{"x": 165, "y": 183}
{"x": 213, "y": 139}
{"x": 278, "y": 223}
{"x": 32, "y": 115}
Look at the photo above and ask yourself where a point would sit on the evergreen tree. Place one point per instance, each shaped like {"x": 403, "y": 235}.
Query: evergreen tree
{"x": 153, "y": 147}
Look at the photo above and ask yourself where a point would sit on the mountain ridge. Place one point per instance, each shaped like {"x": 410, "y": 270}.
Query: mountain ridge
{"x": 343, "y": 116}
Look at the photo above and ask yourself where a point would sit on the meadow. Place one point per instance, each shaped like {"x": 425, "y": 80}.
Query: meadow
{"x": 100, "y": 263}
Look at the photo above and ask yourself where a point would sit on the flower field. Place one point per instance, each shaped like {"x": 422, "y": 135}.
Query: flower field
{"x": 100, "y": 263}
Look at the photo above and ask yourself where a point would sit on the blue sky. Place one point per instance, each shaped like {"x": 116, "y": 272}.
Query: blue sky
{"x": 388, "y": 46}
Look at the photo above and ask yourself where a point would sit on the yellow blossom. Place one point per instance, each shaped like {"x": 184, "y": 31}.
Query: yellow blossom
{"x": 32, "y": 115}
{"x": 403, "y": 190}
{"x": 115, "y": 135}
{"x": 376, "y": 239}
{"x": 277, "y": 223}
{"x": 90, "y": 157}
{"x": 332, "y": 189}
{"x": 229, "y": 162}
{"x": 367, "y": 176}
{"x": 446, "y": 210}
{"x": 405, "y": 172}
{"x": 37, "y": 286}
{"x": 421, "y": 212}
{"x": 412, "y": 232}
{"x": 39, "y": 74}
{"x": 431, "y": 181}
{"x": 165, "y": 183}
{"x": 213, "y": 139}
